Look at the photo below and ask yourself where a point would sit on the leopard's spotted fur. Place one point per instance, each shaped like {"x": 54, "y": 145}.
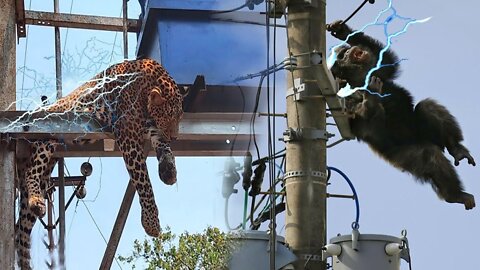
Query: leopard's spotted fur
{"x": 131, "y": 98}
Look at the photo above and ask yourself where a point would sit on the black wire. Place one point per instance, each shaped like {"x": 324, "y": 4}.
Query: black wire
{"x": 252, "y": 120}
{"x": 254, "y": 224}
{"x": 409, "y": 257}
{"x": 271, "y": 129}
{"x": 274, "y": 156}
{"x": 358, "y": 9}
{"x": 252, "y": 210}
{"x": 233, "y": 9}
{"x": 270, "y": 147}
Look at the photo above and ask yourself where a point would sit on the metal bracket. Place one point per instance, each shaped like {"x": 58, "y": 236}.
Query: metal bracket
{"x": 298, "y": 90}
{"x": 276, "y": 8}
{"x": 305, "y": 133}
{"x": 317, "y": 174}
{"x": 310, "y": 257}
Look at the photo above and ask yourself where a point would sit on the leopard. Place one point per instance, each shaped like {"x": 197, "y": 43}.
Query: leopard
{"x": 133, "y": 99}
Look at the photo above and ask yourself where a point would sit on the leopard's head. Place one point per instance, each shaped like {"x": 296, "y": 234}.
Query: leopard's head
{"x": 166, "y": 110}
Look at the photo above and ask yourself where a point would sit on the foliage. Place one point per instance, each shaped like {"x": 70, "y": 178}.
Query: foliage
{"x": 208, "y": 250}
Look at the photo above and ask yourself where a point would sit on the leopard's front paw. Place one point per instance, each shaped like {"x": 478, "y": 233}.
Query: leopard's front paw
{"x": 166, "y": 166}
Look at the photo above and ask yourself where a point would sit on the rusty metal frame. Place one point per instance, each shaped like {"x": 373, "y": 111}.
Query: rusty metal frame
{"x": 78, "y": 21}
{"x": 20, "y": 12}
{"x": 201, "y": 134}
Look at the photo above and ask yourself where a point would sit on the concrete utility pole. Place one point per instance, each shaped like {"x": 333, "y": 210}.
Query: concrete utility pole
{"x": 7, "y": 53}
{"x": 306, "y": 135}
{"x": 7, "y": 203}
{"x": 7, "y": 152}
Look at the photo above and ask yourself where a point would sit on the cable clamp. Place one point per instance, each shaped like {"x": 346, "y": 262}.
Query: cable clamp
{"x": 305, "y": 133}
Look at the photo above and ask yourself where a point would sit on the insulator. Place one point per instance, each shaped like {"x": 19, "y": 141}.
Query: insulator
{"x": 86, "y": 169}
{"x": 333, "y": 249}
{"x": 290, "y": 63}
{"x": 230, "y": 178}
{"x": 258, "y": 179}
{"x": 247, "y": 171}
{"x": 81, "y": 192}
{"x": 393, "y": 249}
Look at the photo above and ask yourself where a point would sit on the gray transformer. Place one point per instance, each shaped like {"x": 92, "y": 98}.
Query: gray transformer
{"x": 367, "y": 251}
{"x": 253, "y": 252}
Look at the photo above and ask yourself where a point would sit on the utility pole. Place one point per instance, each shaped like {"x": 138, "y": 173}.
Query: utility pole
{"x": 7, "y": 204}
{"x": 7, "y": 151}
{"x": 306, "y": 135}
{"x": 7, "y": 54}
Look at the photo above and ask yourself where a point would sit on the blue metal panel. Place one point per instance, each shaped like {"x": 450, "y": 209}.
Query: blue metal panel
{"x": 184, "y": 4}
{"x": 189, "y": 39}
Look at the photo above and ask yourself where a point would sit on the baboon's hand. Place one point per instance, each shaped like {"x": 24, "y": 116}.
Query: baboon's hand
{"x": 339, "y": 30}
{"x": 375, "y": 85}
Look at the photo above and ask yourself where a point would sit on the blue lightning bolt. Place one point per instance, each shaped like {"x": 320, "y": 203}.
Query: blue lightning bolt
{"x": 89, "y": 108}
{"x": 346, "y": 91}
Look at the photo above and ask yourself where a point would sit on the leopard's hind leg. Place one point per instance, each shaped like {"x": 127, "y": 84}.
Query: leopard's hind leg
{"x": 40, "y": 165}
{"x": 26, "y": 217}
{"x": 129, "y": 138}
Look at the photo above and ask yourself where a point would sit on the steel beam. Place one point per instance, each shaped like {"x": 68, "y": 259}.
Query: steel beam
{"x": 243, "y": 17}
{"x": 118, "y": 227}
{"x": 201, "y": 134}
{"x": 79, "y": 21}
{"x": 329, "y": 88}
{"x": 20, "y": 14}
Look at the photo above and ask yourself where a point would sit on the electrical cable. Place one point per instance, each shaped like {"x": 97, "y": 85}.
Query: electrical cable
{"x": 254, "y": 207}
{"x": 266, "y": 207}
{"x": 252, "y": 119}
{"x": 232, "y": 10}
{"x": 275, "y": 156}
{"x": 245, "y": 206}
{"x": 255, "y": 224}
{"x": 66, "y": 31}
{"x": 358, "y": 9}
{"x": 99, "y": 182}
{"x": 227, "y": 223}
{"x": 115, "y": 39}
{"x": 98, "y": 228}
{"x": 248, "y": 3}
{"x": 271, "y": 145}
{"x": 357, "y": 204}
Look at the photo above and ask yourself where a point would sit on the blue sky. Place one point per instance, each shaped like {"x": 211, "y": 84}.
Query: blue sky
{"x": 443, "y": 61}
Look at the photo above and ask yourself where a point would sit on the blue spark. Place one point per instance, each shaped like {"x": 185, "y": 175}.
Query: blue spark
{"x": 346, "y": 91}
{"x": 99, "y": 85}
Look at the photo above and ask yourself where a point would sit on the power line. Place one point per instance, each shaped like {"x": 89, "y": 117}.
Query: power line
{"x": 100, "y": 231}
{"x": 115, "y": 39}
